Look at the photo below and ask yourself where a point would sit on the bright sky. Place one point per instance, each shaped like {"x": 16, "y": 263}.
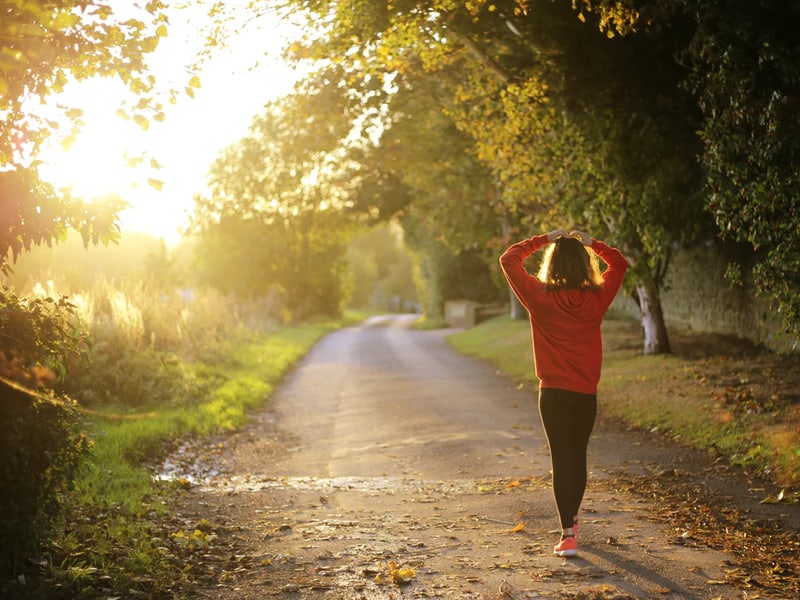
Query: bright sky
{"x": 191, "y": 136}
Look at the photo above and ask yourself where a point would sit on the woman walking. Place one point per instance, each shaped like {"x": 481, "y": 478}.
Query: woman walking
{"x": 566, "y": 304}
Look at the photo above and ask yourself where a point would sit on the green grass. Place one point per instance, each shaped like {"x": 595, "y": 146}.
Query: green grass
{"x": 664, "y": 393}
{"x": 113, "y": 524}
{"x": 246, "y": 378}
{"x": 424, "y": 323}
{"x": 502, "y": 341}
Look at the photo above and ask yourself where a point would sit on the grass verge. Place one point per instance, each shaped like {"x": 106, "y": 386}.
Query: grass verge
{"x": 115, "y": 536}
{"x": 714, "y": 392}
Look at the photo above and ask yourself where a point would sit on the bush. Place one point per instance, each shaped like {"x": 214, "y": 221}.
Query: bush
{"x": 142, "y": 339}
{"x": 39, "y": 454}
{"x": 125, "y": 377}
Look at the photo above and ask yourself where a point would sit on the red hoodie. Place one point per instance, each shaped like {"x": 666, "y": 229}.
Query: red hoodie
{"x": 565, "y": 324}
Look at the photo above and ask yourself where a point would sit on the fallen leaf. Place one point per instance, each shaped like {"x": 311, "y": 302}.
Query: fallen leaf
{"x": 517, "y": 528}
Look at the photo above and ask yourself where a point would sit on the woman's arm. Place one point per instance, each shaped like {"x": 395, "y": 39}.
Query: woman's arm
{"x": 513, "y": 258}
{"x": 617, "y": 265}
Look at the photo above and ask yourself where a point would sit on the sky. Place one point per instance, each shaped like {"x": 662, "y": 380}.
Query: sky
{"x": 193, "y": 133}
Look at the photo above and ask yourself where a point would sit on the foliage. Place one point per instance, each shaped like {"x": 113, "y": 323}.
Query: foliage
{"x": 453, "y": 193}
{"x": 579, "y": 111}
{"x": 41, "y": 336}
{"x": 40, "y": 452}
{"x": 601, "y": 134}
{"x": 566, "y": 124}
{"x": 47, "y": 45}
{"x": 123, "y": 377}
{"x": 72, "y": 267}
{"x": 443, "y": 273}
{"x": 34, "y": 213}
{"x": 142, "y": 333}
{"x": 746, "y": 81}
{"x": 380, "y": 270}
{"x": 444, "y": 198}
{"x": 273, "y": 221}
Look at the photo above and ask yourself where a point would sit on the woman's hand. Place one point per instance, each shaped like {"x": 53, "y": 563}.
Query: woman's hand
{"x": 555, "y": 234}
{"x": 584, "y": 238}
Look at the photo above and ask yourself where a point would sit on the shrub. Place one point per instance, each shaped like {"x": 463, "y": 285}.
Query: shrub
{"x": 126, "y": 377}
{"x": 39, "y": 454}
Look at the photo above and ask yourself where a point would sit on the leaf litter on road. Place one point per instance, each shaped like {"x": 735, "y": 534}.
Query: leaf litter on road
{"x": 768, "y": 553}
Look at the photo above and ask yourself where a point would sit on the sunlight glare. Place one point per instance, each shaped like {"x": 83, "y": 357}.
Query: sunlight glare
{"x": 97, "y": 163}
{"x": 235, "y": 84}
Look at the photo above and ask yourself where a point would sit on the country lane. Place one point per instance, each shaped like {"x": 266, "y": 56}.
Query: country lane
{"x": 386, "y": 465}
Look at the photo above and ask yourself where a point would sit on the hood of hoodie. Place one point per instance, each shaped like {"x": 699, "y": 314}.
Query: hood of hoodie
{"x": 582, "y": 305}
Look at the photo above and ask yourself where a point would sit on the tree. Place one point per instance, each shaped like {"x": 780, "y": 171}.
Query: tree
{"x": 445, "y": 199}
{"x": 273, "y": 219}
{"x": 47, "y": 45}
{"x": 608, "y": 142}
{"x": 44, "y": 45}
{"x": 745, "y": 64}
{"x": 569, "y": 123}
{"x": 380, "y": 269}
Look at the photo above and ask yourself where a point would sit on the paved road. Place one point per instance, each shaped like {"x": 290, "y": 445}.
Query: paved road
{"x": 385, "y": 450}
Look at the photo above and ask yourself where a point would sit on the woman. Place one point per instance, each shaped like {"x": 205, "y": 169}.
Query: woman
{"x": 566, "y": 304}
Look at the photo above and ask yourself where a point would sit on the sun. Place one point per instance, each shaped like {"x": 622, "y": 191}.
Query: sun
{"x": 159, "y": 170}
{"x": 97, "y": 163}
{"x": 111, "y": 157}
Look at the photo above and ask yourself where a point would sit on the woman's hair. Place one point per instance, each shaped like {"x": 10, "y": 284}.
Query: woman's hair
{"x": 568, "y": 264}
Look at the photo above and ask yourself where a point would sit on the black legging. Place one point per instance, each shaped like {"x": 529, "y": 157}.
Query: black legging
{"x": 568, "y": 419}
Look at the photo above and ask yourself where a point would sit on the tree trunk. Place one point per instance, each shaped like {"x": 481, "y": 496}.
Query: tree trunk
{"x": 518, "y": 311}
{"x": 656, "y": 340}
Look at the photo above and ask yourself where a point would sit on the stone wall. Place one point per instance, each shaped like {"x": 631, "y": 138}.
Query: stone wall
{"x": 699, "y": 298}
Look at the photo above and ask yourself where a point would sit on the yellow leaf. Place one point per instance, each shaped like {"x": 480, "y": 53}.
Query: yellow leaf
{"x": 404, "y": 575}
{"x": 519, "y": 527}
{"x": 141, "y": 121}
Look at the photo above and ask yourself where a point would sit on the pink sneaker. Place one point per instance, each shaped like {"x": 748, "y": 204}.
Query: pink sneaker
{"x": 568, "y": 546}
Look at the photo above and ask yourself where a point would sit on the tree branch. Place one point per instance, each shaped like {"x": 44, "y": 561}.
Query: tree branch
{"x": 482, "y": 56}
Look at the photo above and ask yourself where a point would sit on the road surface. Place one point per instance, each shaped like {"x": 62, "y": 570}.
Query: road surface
{"x": 388, "y": 466}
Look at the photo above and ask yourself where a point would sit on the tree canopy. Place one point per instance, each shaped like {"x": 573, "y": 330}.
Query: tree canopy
{"x": 273, "y": 219}
{"x": 46, "y": 45}
{"x": 745, "y": 74}
{"x": 588, "y": 112}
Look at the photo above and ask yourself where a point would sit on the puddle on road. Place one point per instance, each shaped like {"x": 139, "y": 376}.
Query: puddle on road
{"x": 201, "y": 472}
{"x": 370, "y": 485}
